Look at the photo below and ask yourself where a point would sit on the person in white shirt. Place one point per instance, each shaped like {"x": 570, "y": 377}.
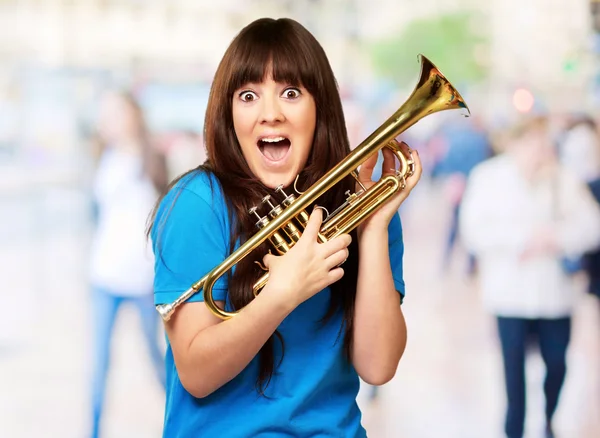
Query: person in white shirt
{"x": 128, "y": 180}
{"x": 522, "y": 214}
{"x": 579, "y": 147}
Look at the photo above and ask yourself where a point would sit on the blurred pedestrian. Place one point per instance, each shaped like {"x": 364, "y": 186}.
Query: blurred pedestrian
{"x": 579, "y": 147}
{"x": 129, "y": 178}
{"x": 522, "y": 214}
{"x": 579, "y": 150}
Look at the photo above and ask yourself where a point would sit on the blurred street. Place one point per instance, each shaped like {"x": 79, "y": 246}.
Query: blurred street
{"x": 449, "y": 383}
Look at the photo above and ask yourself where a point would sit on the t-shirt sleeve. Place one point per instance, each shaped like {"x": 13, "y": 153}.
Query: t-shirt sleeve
{"x": 396, "y": 247}
{"x": 189, "y": 240}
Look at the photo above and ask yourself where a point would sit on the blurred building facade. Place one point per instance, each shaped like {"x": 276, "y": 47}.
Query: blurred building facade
{"x": 535, "y": 39}
{"x": 56, "y": 54}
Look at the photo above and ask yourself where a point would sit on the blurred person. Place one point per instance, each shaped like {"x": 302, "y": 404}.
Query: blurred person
{"x": 579, "y": 147}
{"x": 591, "y": 260}
{"x": 579, "y": 150}
{"x": 290, "y": 362}
{"x": 522, "y": 213}
{"x": 130, "y": 176}
{"x": 184, "y": 152}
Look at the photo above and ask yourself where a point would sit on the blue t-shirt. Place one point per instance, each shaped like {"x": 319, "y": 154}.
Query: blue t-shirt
{"x": 313, "y": 391}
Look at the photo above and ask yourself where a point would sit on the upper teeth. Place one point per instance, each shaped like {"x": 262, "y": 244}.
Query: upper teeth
{"x": 273, "y": 139}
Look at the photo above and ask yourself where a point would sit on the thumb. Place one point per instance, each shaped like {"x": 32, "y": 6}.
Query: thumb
{"x": 314, "y": 223}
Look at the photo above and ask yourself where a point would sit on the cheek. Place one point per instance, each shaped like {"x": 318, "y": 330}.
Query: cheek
{"x": 242, "y": 128}
{"x": 309, "y": 123}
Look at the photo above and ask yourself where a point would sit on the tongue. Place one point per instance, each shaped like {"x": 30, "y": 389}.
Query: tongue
{"x": 275, "y": 152}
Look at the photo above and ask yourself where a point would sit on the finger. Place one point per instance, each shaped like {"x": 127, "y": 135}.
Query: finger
{"x": 366, "y": 169}
{"x": 418, "y": 170}
{"x": 334, "y": 275}
{"x": 314, "y": 224}
{"x": 405, "y": 148}
{"x": 267, "y": 260}
{"x": 389, "y": 162}
{"x": 334, "y": 245}
{"x": 336, "y": 259}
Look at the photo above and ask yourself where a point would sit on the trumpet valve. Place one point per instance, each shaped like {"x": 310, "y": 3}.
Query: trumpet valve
{"x": 279, "y": 189}
{"x": 262, "y": 221}
{"x": 350, "y": 196}
{"x": 267, "y": 200}
{"x": 253, "y": 210}
{"x": 279, "y": 243}
{"x": 290, "y": 229}
{"x": 288, "y": 199}
{"x": 276, "y": 210}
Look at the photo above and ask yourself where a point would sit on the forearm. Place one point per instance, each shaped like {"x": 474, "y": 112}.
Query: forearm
{"x": 379, "y": 328}
{"x": 220, "y": 352}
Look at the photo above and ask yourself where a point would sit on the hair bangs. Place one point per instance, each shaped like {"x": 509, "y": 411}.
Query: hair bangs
{"x": 287, "y": 59}
{"x": 291, "y": 67}
{"x": 251, "y": 66}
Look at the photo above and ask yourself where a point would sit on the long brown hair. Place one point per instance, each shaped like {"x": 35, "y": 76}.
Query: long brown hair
{"x": 287, "y": 51}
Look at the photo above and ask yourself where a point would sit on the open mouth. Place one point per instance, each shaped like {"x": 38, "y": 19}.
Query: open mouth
{"x": 274, "y": 148}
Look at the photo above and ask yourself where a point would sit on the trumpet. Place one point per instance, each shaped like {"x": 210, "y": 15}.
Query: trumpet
{"x": 283, "y": 225}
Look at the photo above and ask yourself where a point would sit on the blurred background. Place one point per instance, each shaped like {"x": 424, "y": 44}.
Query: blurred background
{"x": 509, "y": 59}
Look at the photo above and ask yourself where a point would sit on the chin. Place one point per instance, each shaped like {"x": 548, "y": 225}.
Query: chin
{"x": 272, "y": 180}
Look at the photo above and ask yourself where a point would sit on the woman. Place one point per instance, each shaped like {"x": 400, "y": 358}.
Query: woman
{"x": 289, "y": 363}
{"x": 522, "y": 214}
{"x": 128, "y": 180}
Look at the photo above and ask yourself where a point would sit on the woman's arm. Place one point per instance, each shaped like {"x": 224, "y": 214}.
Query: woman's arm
{"x": 379, "y": 326}
{"x": 209, "y": 352}
{"x": 379, "y": 333}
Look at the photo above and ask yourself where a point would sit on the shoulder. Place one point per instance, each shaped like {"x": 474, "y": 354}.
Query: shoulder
{"x": 202, "y": 184}
{"x": 197, "y": 187}
{"x": 197, "y": 194}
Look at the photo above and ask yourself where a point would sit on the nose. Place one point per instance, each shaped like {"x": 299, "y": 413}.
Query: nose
{"x": 271, "y": 110}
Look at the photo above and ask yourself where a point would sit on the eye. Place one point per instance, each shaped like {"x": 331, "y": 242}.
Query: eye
{"x": 291, "y": 93}
{"x": 248, "y": 96}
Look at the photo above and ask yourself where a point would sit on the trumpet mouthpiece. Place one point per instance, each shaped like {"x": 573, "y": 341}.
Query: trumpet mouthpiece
{"x": 165, "y": 311}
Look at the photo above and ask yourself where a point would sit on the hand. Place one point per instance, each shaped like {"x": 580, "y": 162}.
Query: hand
{"x": 382, "y": 217}
{"x": 542, "y": 242}
{"x": 309, "y": 266}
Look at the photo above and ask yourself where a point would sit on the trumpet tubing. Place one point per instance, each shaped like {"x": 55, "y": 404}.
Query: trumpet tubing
{"x": 284, "y": 223}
